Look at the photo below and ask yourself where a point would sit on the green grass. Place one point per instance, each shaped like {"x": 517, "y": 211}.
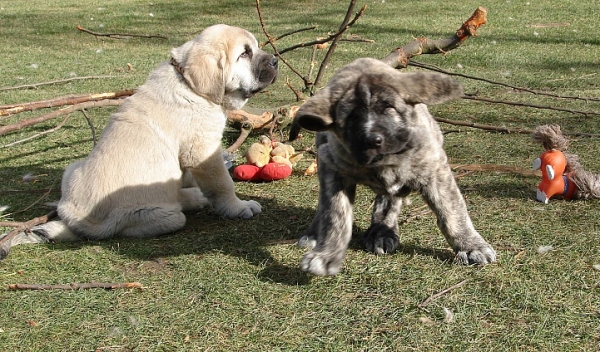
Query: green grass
{"x": 225, "y": 285}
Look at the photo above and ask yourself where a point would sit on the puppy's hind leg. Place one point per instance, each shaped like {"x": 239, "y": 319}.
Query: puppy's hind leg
{"x": 382, "y": 236}
{"x": 152, "y": 221}
{"x": 54, "y": 231}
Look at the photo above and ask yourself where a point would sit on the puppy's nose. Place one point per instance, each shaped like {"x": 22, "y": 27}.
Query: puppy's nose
{"x": 273, "y": 62}
{"x": 374, "y": 140}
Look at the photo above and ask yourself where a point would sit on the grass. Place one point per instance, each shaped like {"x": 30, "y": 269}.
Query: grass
{"x": 235, "y": 285}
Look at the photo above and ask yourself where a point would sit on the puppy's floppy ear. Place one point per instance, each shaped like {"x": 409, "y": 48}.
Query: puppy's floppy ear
{"x": 205, "y": 69}
{"x": 314, "y": 114}
{"x": 426, "y": 88}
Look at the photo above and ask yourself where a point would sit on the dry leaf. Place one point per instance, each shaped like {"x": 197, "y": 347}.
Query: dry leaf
{"x": 312, "y": 169}
{"x": 426, "y": 321}
{"x": 448, "y": 316}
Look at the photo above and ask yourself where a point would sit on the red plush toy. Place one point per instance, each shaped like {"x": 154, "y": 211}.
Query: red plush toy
{"x": 267, "y": 161}
{"x": 269, "y": 172}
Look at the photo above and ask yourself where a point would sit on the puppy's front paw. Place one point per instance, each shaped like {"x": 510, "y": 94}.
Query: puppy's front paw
{"x": 480, "y": 254}
{"x": 243, "y": 209}
{"x": 380, "y": 239}
{"x": 317, "y": 263}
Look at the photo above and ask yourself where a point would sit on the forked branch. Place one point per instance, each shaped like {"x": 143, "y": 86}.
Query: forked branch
{"x": 399, "y": 57}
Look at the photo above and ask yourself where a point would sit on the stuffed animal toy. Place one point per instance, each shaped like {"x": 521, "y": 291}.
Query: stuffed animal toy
{"x": 267, "y": 161}
{"x": 562, "y": 174}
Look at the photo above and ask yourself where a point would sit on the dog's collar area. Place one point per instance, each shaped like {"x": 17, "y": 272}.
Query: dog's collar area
{"x": 176, "y": 65}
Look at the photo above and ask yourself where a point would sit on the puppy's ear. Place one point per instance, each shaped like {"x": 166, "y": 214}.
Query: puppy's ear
{"x": 426, "y": 88}
{"x": 313, "y": 115}
{"x": 204, "y": 69}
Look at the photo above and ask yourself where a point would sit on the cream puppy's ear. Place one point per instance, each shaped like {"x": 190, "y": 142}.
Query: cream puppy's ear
{"x": 205, "y": 69}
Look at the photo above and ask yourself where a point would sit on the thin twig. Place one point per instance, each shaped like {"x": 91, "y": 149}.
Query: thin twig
{"x": 75, "y": 286}
{"x": 271, "y": 42}
{"x": 35, "y": 85}
{"x": 6, "y": 110}
{"x": 440, "y": 294}
{"x": 59, "y": 126}
{"x": 534, "y": 92}
{"x": 246, "y": 129}
{"x": 288, "y": 34}
{"x": 296, "y": 92}
{"x": 120, "y": 35}
{"x": 515, "y": 103}
{"x": 346, "y": 23}
{"x": 89, "y": 121}
{"x": 506, "y": 129}
{"x": 60, "y": 112}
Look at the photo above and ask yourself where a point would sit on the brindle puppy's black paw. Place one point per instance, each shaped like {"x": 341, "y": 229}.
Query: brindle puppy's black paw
{"x": 380, "y": 239}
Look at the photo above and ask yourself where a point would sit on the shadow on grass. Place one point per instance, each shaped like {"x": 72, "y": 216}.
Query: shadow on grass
{"x": 205, "y": 232}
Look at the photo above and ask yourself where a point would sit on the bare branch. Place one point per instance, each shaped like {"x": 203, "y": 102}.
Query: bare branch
{"x": 246, "y": 129}
{"x": 514, "y": 103}
{"x": 120, "y": 35}
{"x": 272, "y": 43}
{"x": 35, "y": 85}
{"x": 438, "y": 69}
{"x": 60, "y": 112}
{"x": 399, "y": 57}
{"x": 288, "y": 34}
{"x": 347, "y": 23}
{"x": 6, "y": 110}
{"x": 440, "y": 294}
{"x": 59, "y": 126}
{"x": 75, "y": 286}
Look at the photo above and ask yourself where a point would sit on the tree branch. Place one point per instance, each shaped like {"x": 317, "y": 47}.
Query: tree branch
{"x": 60, "y": 112}
{"x": 399, "y": 57}
{"x": 440, "y": 294}
{"x": 544, "y": 107}
{"x": 120, "y": 35}
{"x": 35, "y": 85}
{"x": 534, "y": 92}
{"x": 346, "y": 23}
{"x": 7, "y": 110}
{"x": 75, "y": 286}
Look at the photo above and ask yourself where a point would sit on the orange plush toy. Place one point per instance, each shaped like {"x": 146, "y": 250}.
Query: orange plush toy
{"x": 554, "y": 182}
{"x": 562, "y": 174}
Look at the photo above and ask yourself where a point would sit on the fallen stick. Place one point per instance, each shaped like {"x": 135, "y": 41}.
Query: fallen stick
{"x": 120, "y": 35}
{"x": 6, "y": 110}
{"x": 35, "y": 85}
{"x": 440, "y": 294}
{"x": 399, "y": 57}
{"x": 75, "y": 286}
{"x": 60, "y": 112}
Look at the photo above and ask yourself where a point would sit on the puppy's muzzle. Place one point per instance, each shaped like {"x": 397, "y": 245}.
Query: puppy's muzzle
{"x": 374, "y": 141}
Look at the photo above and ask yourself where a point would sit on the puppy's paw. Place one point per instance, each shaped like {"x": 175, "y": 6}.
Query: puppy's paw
{"x": 317, "y": 263}
{"x": 380, "y": 239}
{"x": 243, "y": 209}
{"x": 307, "y": 242}
{"x": 481, "y": 254}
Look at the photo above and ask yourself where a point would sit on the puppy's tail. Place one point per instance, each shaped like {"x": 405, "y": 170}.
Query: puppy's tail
{"x": 54, "y": 231}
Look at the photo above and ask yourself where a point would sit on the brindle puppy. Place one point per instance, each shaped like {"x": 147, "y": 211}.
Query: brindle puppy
{"x": 375, "y": 129}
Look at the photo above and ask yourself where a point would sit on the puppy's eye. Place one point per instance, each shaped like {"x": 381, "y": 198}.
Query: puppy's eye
{"x": 247, "y": 54}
